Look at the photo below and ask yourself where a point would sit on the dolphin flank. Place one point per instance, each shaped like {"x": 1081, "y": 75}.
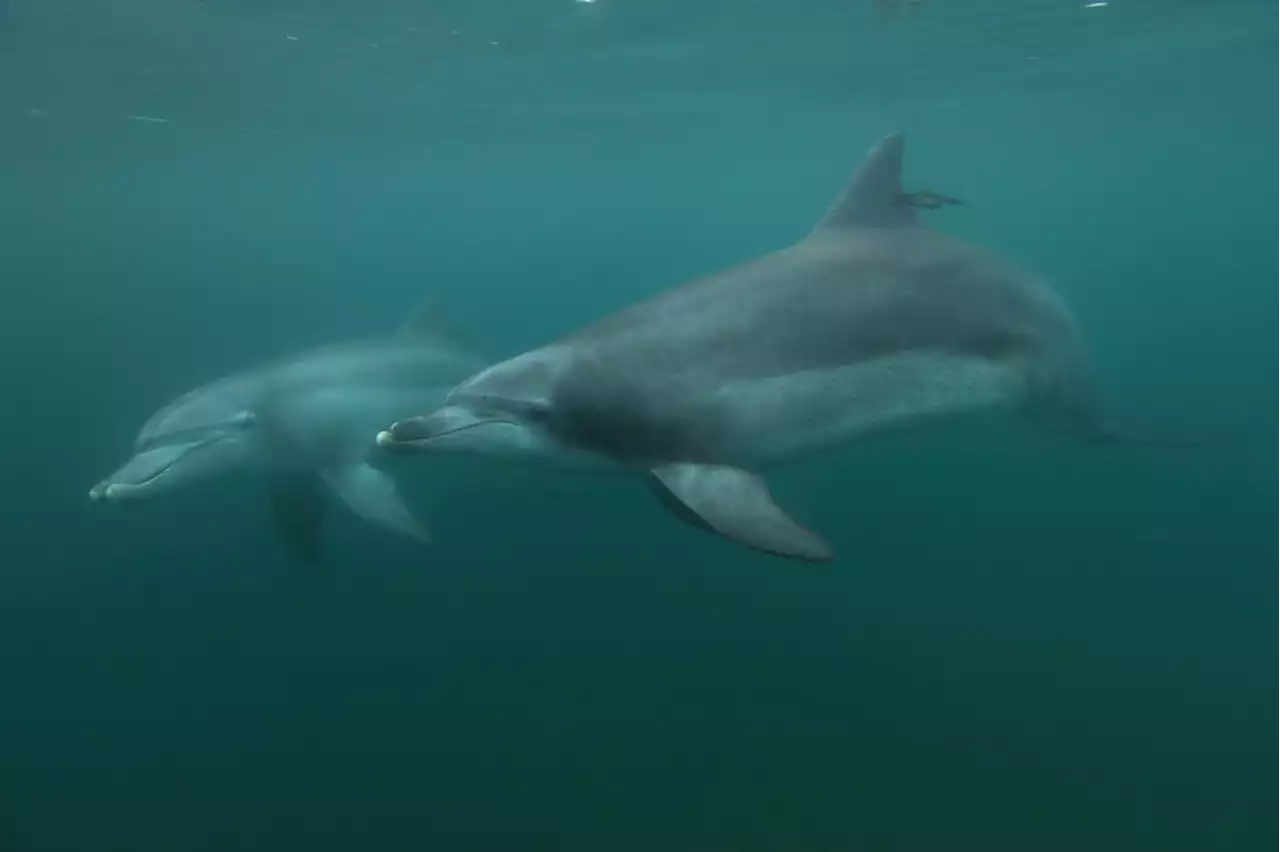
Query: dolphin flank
{"x": 302, "y": 424}
{"x": 869, "y": 323}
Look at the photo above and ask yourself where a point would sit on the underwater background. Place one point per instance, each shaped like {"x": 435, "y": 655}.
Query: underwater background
{"x": 1025, "y": 643}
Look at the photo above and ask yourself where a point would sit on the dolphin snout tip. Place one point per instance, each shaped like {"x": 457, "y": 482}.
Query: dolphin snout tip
{"x": 401, "y": 435}
{"x": 108, "y": 492}
{"x": 387, "y": 440}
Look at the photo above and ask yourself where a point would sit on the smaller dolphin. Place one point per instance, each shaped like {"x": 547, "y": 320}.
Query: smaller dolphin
{"x": 870, "y": 323}
{"x": 304, "y": 424}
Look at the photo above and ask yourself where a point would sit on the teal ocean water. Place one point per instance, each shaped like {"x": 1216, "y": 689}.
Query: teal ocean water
{"x": 1026, "y": 643}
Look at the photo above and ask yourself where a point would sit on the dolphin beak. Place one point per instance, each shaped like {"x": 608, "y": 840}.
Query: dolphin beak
{"x": 107, "y": 491}
{"x": 419, "y": 434}
{"x": 405, "y": 434}
{"x": 386, "y": 440}
{"x": 138, "y": 476}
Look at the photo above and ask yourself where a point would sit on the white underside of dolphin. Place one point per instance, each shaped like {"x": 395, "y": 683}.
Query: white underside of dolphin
{"x": 304, "y": 426}
{"x": 870, "y": 323}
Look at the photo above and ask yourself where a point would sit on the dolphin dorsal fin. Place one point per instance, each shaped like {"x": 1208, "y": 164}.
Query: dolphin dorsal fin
{"x": 873, "y": 197}
{"x": 426, "y": 320}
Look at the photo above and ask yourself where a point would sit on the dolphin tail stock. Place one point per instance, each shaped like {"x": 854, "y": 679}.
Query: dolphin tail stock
{"x": 1102, "y": 430}
{"x": 737, "y": 505}
{"x": 1074, "y": 405}
{"x": 1082, "y": 419}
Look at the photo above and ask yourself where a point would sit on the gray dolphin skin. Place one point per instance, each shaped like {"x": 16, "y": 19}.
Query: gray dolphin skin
{"x": 303, "y": 424}
{"x": 870, "y": 323}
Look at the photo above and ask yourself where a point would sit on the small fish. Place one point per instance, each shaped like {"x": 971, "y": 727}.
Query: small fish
{"x": 924, "y": 199}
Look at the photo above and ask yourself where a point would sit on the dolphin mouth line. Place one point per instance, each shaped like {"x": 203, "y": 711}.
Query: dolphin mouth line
{"x": 193, "y": 449}
{"x": 106, "y": 485}
{"x": 159, "y": 473}
{"x": 391, "y": 440}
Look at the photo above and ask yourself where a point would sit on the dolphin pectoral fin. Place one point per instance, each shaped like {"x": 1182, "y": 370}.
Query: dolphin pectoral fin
{"x": 298, "y": 508}
{"x": 373, "y": 495}
{"x": 736, "y": 504}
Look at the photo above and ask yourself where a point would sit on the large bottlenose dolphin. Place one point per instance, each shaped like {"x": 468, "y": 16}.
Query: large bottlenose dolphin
{"x": 870, "y": 323}
{"x": 305, "y": 424}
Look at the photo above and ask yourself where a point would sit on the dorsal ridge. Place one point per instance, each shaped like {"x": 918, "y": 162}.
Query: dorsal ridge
{"x": 426, "y": 320}
{"x": 873, "y": 196}
{"x": 429, "y": 324}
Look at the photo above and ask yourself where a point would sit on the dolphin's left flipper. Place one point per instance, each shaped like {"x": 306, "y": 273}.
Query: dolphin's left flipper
{"x": 373, "y": 495}
{"x": 298, "y": 507}
{"x": 737, "y": 505}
